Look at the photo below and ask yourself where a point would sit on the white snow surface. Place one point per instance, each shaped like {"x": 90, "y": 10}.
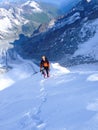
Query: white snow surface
{"x": 33, "y": 4}
{"x": 88, "y": 1}
{"x": 67, "y": 100}
{"x": 7, "y": 20}
{"x": 89, "y": 48}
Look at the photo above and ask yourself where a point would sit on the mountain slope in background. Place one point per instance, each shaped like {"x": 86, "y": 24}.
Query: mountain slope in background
{"x": 24, "y": 17}
{"x": 21, "y": 17}
{"x": 61, "y": 39}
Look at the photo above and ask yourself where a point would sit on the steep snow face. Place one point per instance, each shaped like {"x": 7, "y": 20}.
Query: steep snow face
{"x": 16, "y": 71}
{"x": 90, "y": 48}
{"x": 67, "y": 100}
{"x": 35, "y": 5}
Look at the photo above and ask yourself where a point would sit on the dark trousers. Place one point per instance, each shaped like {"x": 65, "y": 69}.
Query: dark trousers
{"x": 47, "y": 71}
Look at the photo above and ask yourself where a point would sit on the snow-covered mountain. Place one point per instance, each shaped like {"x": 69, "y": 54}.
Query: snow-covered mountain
{"x": 68, "y": 99}
{"x": 23, "y": 17}
{"x": 10, "y": 23}
{"x": 64, "y": 39}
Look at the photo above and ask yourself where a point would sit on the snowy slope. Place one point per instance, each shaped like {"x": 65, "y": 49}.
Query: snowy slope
{"x": 70, "y": 39}
{"x": 34, "y": 5}
{"x": 68, "y": 100}
{"x": 89, "y": 48}
{"x": 10, "y": 24}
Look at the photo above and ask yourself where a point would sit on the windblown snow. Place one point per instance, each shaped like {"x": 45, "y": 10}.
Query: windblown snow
{"x": 67, "y": 100}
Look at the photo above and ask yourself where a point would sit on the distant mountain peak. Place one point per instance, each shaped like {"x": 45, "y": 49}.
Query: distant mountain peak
{"x": 88, "y": 1}
{"x": 24, "y": 17}
{"x": 36, "y": 7}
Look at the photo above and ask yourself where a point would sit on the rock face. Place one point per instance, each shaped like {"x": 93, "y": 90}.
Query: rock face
{"x": 60, "y": 39}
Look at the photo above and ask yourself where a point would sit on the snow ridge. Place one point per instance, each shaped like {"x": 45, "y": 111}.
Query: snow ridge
{"x": 35, "y": 5}
{"x": 33, "y": 102}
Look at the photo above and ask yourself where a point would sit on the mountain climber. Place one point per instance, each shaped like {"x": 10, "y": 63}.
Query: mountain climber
{"x": 44, "y": 66}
